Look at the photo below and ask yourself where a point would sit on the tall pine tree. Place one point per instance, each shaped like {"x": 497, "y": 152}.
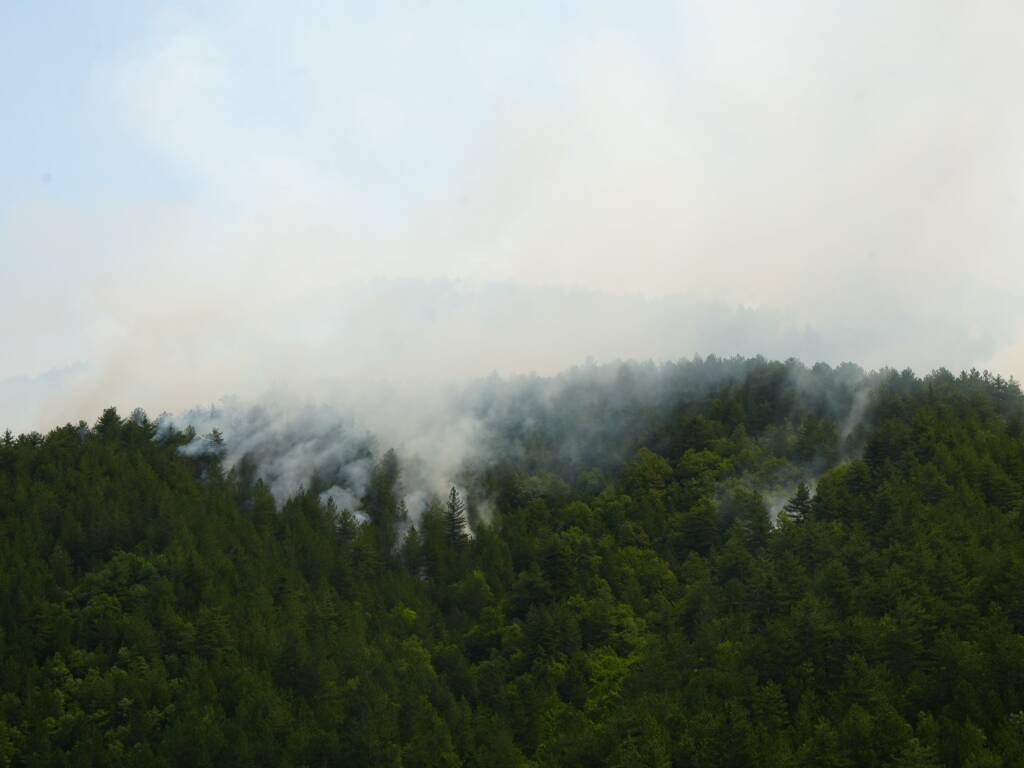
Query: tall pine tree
{"x": 799, "y": 507}
{"x": 455, "y": 520}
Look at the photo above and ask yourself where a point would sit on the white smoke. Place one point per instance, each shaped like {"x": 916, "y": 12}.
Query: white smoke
{"x": 344, "y": 499}
{"x": 287, "y": 444}
{"x": 291, "y": 444}
{"x": 379, "y": 204}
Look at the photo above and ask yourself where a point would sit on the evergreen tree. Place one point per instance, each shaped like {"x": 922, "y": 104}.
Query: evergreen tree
{"x": 799, "y": 506}
{"x": 455, "y": 530}
{"x": 412, "y": 553}
{"x": 109, "y": 423}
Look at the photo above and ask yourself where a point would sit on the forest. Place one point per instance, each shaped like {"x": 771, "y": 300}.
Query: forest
{"x": 713, "y": 562}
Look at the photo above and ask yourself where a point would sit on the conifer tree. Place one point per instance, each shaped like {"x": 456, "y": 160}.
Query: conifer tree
{"x": 412, "y": 553}
{"x": 799, "y": 507}
{"x": 455, "y": 520}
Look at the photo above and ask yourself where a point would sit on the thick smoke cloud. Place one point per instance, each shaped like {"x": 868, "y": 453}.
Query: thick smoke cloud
{"x": 362, "y": 209}
{"x": 286, "y": 444}
{"x": 595, "y": 416}
{"x": 295, "y": 446}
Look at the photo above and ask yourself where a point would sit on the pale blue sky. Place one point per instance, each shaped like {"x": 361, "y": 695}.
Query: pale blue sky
{"x": 51, "y": 124}
{"x": 63, "y": 142}
{"x": 210, "y": 198}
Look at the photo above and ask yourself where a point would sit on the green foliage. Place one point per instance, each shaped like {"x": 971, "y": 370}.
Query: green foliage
{"x": 799, "y": 507}
{"x": 160, "y": 609}
{"x": 455, "y": 520}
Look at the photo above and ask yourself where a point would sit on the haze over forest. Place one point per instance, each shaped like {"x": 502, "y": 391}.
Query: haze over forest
{"x": 426, "y": 383}
{"x": 364, "y": 205}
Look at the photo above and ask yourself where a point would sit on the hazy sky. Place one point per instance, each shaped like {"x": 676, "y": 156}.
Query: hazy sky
{"x": 359, "y": 200}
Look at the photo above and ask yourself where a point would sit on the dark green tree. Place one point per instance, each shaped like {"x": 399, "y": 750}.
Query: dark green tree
{"x": 799, "y": 506}
{"x": 455, "y": 530}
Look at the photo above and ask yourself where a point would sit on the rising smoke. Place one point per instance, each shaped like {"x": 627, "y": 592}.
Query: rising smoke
{"x": 344, "y": 217}
{"x": 590, "y": 416}
{"x": 356, "y": 207}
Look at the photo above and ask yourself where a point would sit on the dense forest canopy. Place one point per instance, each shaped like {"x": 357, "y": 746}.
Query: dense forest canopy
{"x": 709, "y": 563}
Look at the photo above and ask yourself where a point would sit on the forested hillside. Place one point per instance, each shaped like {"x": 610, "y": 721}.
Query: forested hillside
{"x": 714, "y": 563}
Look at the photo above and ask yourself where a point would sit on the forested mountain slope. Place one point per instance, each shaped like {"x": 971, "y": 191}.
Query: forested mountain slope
{"x": 617, "y": 587}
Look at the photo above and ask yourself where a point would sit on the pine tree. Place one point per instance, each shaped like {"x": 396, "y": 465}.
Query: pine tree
{"x": 799, "y": 507}
{"x": 109, "y": 424}
{"x": 914, "y": 755}
{"x": 384, "y": 503}
{"x": 216, "y": 442}
{"x": 455, "y": 520}
{"x": 412, "y": 553}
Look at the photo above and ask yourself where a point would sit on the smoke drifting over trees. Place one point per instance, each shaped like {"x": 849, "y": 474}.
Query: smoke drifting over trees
{"x": 418, "y": 531}
{"x": 287, "y": 445}
{"x": 353, "y": 200}
{"x": 256, "y": 582}
{"x": 592, "y": 417}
